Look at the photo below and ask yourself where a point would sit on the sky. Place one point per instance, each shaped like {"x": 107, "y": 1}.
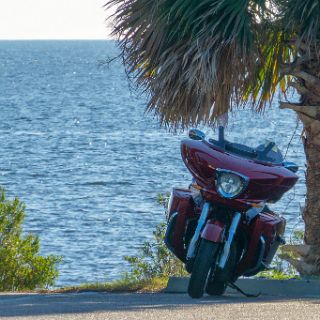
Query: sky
{"x": 53, "y": 19}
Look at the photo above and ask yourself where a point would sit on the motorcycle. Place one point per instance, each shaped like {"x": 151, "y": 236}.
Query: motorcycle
{"x": 221, "y": 226}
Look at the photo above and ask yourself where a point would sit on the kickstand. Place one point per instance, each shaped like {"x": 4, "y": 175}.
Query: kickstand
{"x": 248, "y": 295}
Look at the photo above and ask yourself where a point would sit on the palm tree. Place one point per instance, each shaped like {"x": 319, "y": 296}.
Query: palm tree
{"x": 199, "y": 59}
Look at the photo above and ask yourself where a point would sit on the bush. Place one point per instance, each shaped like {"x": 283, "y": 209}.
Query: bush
{"x": 21, "y": 267}
{"x": 154, "y": 260}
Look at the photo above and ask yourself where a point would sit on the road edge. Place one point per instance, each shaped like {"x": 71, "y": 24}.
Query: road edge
{"x": 292, "y": 288}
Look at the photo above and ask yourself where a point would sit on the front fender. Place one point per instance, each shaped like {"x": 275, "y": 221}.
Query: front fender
{"x": 214, "y": 231}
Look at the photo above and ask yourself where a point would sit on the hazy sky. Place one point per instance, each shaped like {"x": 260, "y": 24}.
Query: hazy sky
{"x": 53, "y": 19}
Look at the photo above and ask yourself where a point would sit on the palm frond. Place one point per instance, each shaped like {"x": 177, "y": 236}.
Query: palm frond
{"x": 199, "y": 59}
{"x": 275, "y": 51}
{"x": 302, "y": 19}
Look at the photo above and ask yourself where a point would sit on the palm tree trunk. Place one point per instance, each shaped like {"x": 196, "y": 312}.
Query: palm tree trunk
{"x": 311, "y": 214}
{"x": 308, "y": 85}
{"x": 309, "y": 79}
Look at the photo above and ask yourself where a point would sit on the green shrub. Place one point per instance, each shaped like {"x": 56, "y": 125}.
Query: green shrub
{"x": 154, "y": 260}
{"x": 21, "y": 267}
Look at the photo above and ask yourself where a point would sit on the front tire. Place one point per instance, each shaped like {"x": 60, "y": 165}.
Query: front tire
{"x": 218, "y": 281}
{"x": 204, "y": 260}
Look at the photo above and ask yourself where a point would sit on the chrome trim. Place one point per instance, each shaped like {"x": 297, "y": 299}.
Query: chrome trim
{"x": 201, "y": 223}
{"x": 244, "y": 178}
{"x": 227, "y": 245}
{"x": 196, "y": 195}
{"x": 253, "y": 212}
{"x": 169, "y": 205}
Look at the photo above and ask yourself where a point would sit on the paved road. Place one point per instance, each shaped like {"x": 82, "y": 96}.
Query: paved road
{"x": 153, "y": 307}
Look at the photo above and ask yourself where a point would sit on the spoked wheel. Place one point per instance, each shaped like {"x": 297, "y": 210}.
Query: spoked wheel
{"x": 218, "y": 279}
{"x": 204, "y": 260}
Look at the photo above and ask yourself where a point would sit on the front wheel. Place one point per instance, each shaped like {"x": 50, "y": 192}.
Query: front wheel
{"x": 218, "y": 280}
{"x": 204, "y": 260}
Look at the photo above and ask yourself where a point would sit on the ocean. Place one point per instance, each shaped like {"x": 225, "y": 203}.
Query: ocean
{"x": 78, "y": 149}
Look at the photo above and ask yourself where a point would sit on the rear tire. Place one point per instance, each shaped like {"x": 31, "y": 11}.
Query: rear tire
{"x": 216, "y": 288}
{"x": 204, "y": 260}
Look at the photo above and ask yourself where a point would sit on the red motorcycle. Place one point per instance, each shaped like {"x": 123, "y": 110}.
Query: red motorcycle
{"x": 221, "y": 227}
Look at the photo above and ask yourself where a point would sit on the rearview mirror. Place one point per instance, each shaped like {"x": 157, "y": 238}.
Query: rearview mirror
{"x": 196, "y": 134}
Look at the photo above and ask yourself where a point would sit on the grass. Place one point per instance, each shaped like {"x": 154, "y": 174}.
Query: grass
{"x": 122, "y": 285}
{"x": 276, "y": 275}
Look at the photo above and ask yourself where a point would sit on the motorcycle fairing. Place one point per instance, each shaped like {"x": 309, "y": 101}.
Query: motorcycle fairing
{"x": 267, "y": 182}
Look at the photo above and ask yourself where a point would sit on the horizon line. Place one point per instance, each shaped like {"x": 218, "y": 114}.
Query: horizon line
{"x": 58, "y": 39}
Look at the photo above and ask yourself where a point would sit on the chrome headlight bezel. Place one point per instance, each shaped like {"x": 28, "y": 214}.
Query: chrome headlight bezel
{"x": 243, "y": 183}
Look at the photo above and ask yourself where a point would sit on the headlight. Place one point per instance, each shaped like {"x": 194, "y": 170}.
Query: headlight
{"x": 230, "y": 184}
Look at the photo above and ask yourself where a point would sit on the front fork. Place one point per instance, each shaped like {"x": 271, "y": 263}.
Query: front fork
{"x": 201, "y": 223}
{"x": 192, "y": 249}
{"x": 232, "y": 231}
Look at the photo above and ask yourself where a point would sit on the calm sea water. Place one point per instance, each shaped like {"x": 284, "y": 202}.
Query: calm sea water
{"x": 78, "y": 149}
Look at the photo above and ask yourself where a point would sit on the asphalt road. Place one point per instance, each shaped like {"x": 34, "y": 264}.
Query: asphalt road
{"x": 156, "y": 306}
